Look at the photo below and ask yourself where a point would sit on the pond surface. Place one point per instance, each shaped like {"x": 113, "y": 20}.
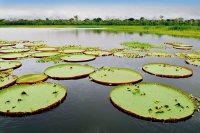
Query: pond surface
{"x": 87, "y": 108}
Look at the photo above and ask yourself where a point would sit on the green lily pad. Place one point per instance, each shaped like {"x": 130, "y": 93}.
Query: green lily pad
{"x": 129, "y": 55}
{"x": 98, "y": 53}
{"x": 5, "y": 65}
{"x": 13, "y": 56}
{"x": 160, "y": 54}
{"x": 44, "y": 54}
{"x": 167, "y": 70}
{"x": 195, "y": 62}
{"x": 14, "y": 50}
{"x": 6, "y": 44}
{"x": 173, "y": 43}
{"x": 7, "y": 81}
{"x": 25, "y": 99}
{"x": 182, "y": 47}
{"x": 69, "y": 71}
{"x": 72, "y": 50}
{"x": 78, "y": 58}
{"x": 115, "y": 76}
{"x": 153, "y": 101}
{"x": 31, "y": 78}
{"x": 49, "y": 49}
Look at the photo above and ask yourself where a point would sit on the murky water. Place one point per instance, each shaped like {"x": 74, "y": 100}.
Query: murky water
{"x": 87, "y": 108}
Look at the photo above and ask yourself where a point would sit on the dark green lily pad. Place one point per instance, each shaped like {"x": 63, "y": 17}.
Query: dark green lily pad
{"x": 31, "y": 78}
{"x": 5, "y": 65}
{"x": 115, "y": 76}
{"x": 25, "y": 99}
{"x": 167, "y": 70}
{"x": 153, "y": 101}
{"x": 69, "y": 71}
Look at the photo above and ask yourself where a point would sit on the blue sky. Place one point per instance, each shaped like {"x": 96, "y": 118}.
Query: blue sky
{"x": 97, "y": 2}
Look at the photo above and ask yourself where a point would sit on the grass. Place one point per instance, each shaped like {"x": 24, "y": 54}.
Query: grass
{"x": 182, "y": 31}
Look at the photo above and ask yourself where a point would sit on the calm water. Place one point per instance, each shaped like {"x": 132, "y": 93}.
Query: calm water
{"x": 87, "y": 108}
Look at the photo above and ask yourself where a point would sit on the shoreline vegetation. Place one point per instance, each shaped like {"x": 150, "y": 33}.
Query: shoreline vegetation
{"x": 161, "y": 26}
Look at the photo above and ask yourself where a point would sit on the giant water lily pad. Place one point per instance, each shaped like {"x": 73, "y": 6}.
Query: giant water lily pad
{"x": 128, "y": 54}
{"x": 98, "y": 53}
{"x": 68, "y": 71}
{"x": 14, "y": 50}
{"x": 31, "y": 78}
{"x": 44, "y": 54}
{"x": 6, "y": 44}
{"x": 160, "y": 54}
{"x": 5, "y": 65}
{"x": 195, "y": 62}
{"x": 13, "y": 56}
{"x": 72, "y": 50}
{"x": 167, "y": 70}
{"x": 7, "y": 81}
{"x": 78, "y": 58}
{"x": 182, "y": 47}
{"x": 114, "y": 76}
{"x": 30, "y": 99}
{"x": 48, "y": 49}
{"x": 153, "y": 101}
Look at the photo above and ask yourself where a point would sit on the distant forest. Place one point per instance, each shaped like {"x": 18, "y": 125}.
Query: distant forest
{"x": 99, "y": 21}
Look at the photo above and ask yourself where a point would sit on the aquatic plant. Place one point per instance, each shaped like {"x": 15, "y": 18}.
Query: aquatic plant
{"x": 167, "y": 70}
{"x": 140, "y": 45}
{"x": 167, "y": 109}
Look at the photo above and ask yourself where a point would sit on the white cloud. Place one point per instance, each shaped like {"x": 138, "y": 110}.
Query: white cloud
{"x": 122, "y": 12}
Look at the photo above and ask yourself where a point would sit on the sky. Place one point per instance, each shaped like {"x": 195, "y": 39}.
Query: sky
{"x": 103, "y": 2}
{"x": 65, "y": 9}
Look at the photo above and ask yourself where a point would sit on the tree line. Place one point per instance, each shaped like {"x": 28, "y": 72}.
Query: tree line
{"x": 99, "y": 21}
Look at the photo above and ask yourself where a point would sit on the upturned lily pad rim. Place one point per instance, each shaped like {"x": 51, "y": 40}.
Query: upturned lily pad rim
{"x": 10, "y": 83}
{"x": 36, "y": 56}
{"x": 17, "y": 114}
{"x": 79, "y": 50}
{"x": 14, "y": 67}
{"x": 14, "y": 58}
{"x": 109, "y": 53}
{"x": 168, "y": 76}
{"x": 92, "y": 58}
{"x": 151, "y": 118}
{"x": 51, "y": 49}
{"x": 72, "y": 77}
{"x": 182, "y": 48}
{"x": 44, "y": 78}
{"x": 14, "y": 50}
{"x": 4, "y": 45}
{"x": 188, "y": 61}
{"x": 117, "y": 83}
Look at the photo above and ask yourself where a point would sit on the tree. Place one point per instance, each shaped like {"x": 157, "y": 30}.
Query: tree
{"x": 76, "y": 17}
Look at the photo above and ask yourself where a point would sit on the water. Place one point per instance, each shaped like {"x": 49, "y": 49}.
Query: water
{"x": 87, "y": 108}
